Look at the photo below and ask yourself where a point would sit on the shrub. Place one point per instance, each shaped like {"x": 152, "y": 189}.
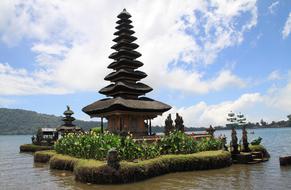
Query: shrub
{"x": 93, "y": 145}
{"x": 177, "y": 143}
{"x": 207, "y": 144}
{"x": 96, "y": 129}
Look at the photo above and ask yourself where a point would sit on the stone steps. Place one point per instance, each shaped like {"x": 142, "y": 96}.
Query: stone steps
{"x": 249, "y": 158}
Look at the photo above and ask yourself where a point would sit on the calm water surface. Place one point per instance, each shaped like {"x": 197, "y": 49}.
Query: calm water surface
{"x": 17, "y": 170}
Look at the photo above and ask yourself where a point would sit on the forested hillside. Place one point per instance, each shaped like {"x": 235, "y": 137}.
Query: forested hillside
{"x": 17, "y": 121}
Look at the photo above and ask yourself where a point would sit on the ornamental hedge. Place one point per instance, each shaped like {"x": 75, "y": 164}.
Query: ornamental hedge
{"x": 98, "y": 172}
{"x": 33, "y": 148}
{"x": 96, "y": 145}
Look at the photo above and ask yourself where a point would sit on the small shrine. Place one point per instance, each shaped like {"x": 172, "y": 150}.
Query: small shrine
{"x": 68, "y": 126}
{"x": 127, "y": 109}
{"x": 45, "y": 137}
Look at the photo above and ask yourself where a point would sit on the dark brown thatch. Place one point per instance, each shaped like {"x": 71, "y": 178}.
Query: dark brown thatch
{"x": 139, "y": 105}
{"x": 123, "y": 74}
{"x": 125, "y": 63}
{"x": 125, "y": 88}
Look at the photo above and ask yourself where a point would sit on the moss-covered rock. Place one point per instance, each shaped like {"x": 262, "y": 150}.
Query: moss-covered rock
{"x": 63, "y": 162}
{"x": 260, "y": 148}
{"x": 98, "y": 172}
{"x": 43, "y": 156}
{"x": 33, "y": 148}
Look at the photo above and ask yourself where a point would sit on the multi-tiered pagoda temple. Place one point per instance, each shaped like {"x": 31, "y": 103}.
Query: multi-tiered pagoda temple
{"x": 68, "y": 126}
{"x": 127, "y": 110}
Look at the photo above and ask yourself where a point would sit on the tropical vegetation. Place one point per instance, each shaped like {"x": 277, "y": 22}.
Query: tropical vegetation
{"x": 96, "y": 145}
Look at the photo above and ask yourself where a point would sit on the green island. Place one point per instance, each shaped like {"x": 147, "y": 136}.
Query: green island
{"x": 87, "y": 156}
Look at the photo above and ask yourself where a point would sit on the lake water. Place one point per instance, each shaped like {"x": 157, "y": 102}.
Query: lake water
{"x": 18, "y": 171}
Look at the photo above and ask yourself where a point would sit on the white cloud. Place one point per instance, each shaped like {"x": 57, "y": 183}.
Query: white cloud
{"x": 192, "y": 82}
{"x": 55, "y": 49}
{"x": 273, "y": 7}
{"x": 274, "y": 75}
{"x": 72, "y": 40}
{"x": 203, "y": 115}
{"x": 279, "y": 97}
{"x": 271, "y": 106}
{"x": 287, "y": 27}
{"x": 20, "y": 82}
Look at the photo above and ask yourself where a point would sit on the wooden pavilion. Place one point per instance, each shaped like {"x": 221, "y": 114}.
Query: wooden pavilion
{"x": 126, "y": 110}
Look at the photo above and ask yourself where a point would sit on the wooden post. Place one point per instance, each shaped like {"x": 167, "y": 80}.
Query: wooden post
{"x": 102, "y": 130}
{"x": 120, "y": 123}
{"x": 150, "y": 127}
{"x": 147, "y": 125}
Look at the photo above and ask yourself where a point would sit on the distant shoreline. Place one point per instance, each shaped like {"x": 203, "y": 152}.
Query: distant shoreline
{"x": 158, "y": 131}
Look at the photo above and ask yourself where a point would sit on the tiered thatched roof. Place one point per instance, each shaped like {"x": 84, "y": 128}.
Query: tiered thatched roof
{"x": 125, "y": 87}
{"x": 124, "y": 77}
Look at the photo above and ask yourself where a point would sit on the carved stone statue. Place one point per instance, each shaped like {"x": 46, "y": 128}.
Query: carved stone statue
{"x": 234, "y": 144}
{"x": 179, "y": 123}
{"x": 245, "y": 144}
{"x": 210, "y": 131}
{"x": 223, "y": 142}
{"x": 257, "y": 141}
{"x": 169, "y": 125}
{"x": 33, "y": 139}
{"x": 112, "y": 159}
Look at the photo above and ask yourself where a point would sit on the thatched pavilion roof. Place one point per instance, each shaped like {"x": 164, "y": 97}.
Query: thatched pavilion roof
{"x": 142, "y": 104}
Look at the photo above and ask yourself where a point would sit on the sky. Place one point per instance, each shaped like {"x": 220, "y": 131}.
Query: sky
{"x": 204, "y": 58}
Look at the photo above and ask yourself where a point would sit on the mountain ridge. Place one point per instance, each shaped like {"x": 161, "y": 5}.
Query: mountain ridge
{"x": 20, "y": 121}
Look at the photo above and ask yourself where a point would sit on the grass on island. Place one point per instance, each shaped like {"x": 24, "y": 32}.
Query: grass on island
{"x": 260, "y": 148}
{"x": 44, "y": 156}
{"x": 94, "y": 171}
{"x": 63, "y": 162}
{"x": 257, "y": 147}
{"x": 33, "y": 148}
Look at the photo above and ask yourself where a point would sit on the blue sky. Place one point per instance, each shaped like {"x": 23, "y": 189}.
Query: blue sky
{"x": 205, "y": 58}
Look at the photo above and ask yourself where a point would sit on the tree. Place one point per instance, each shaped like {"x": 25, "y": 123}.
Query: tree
{"x": 289, "y": 120}
{"x": 241, "y": 120}
{"x": 263, "y": 123}
{"x": 231, "y": 118}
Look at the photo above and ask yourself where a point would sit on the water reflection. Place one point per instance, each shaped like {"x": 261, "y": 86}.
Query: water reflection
{"x": 17, "y": 170}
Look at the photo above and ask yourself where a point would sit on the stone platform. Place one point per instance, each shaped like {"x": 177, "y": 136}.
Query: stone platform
{"x": 248, "y": 158}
